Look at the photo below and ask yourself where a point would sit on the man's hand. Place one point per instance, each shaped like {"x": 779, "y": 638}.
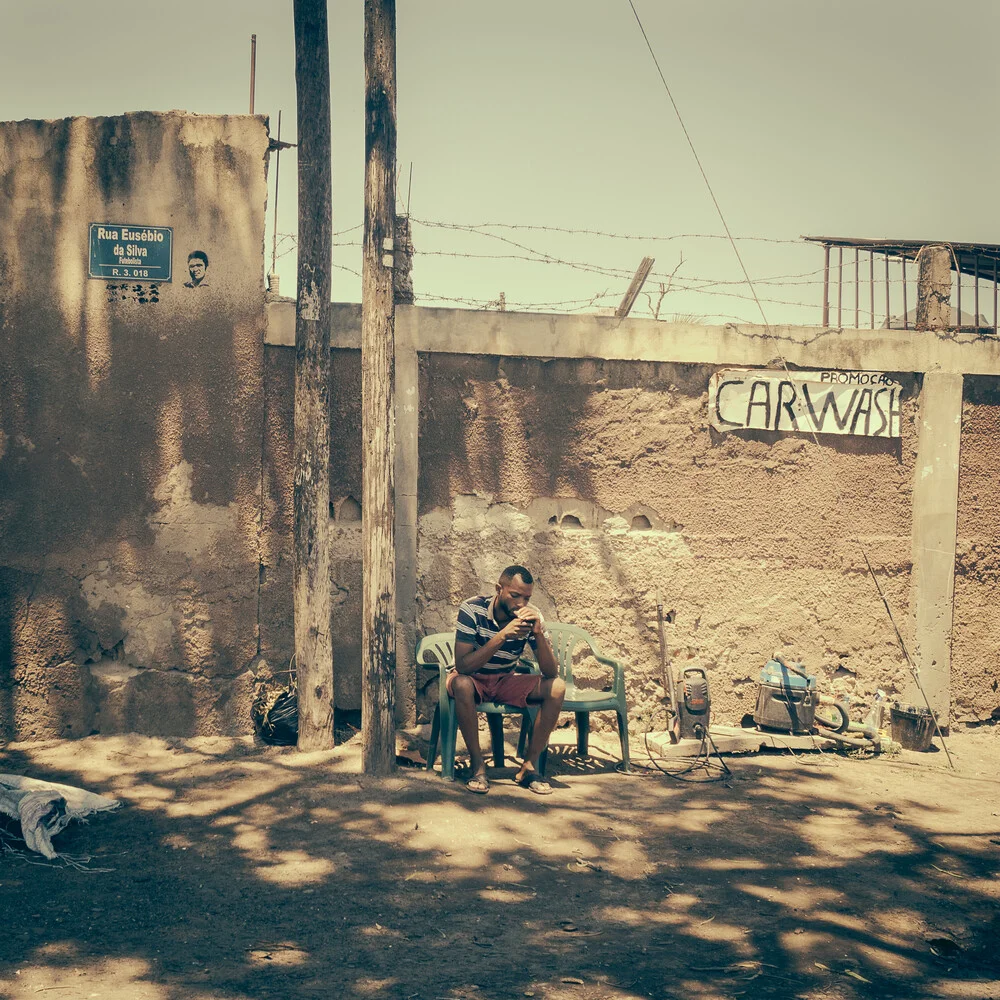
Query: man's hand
{"x": 532, "y": 618}
{"x": 519, "y": 627}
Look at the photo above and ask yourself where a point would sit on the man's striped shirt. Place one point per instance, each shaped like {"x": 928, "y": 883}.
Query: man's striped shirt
{"x": 476, "y": 625}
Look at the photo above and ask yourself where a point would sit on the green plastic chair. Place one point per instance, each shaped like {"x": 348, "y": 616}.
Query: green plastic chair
{"x": 444, "y": 727}
{"x": 583, "y": 701}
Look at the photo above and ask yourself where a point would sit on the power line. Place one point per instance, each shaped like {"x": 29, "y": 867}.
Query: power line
{"x": 697, "y": 160}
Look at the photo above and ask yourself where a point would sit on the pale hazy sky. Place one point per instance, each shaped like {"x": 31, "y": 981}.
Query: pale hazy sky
{"x": 869, "y": 118}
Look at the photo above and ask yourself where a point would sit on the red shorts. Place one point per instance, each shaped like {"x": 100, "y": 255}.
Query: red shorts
{"x": 507, "y": 689}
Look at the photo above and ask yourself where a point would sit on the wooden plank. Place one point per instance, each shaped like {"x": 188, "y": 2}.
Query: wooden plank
{"x": 733, "y": 739}
{"x": 638, "y": 280}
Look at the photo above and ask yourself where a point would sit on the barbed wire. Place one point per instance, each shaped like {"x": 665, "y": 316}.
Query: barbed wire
{"x": 668, "y": 282}
{"x": 597, "y": 232}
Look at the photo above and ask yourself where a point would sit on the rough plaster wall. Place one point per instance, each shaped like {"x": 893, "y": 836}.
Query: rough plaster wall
{"x": 976, "y": 627}
{"x": 130, "y": 428}
{"x": 277, "y": 638}
{"x": 749, "y": 536}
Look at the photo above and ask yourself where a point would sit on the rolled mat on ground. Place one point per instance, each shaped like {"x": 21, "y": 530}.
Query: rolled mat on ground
{"x": 44, "y": 808}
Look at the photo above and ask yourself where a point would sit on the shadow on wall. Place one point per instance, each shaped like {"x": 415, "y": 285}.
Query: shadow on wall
{"x": 8, "y": 589}
{"x": 113, "y": 388}
{"x": 157, "y": 703}
{"x": 748, "y": 535}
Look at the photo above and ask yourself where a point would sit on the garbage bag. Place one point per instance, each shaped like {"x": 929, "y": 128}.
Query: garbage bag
{"x": 275, "y": 713}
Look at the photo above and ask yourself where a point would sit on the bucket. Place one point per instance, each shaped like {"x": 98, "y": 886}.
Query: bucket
{"x": 912, "y": 728}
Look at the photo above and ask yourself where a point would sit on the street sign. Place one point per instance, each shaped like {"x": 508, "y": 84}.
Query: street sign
{"x": 122, "y": 250}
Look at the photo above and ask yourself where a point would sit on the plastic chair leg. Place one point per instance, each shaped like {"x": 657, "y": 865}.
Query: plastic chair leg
{"x": 449, "y": 734}
{"x": 582, "y": 732}
{"x": 432, "y": 747}
{"x": 623, "y": 736}
{"x": 495, "y": 723}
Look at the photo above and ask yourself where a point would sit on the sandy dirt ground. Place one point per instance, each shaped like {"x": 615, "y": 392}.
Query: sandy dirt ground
{"x": 236, "y": 871}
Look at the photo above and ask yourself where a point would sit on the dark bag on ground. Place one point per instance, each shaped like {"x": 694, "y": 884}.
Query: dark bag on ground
{"x": 275, "y": 713}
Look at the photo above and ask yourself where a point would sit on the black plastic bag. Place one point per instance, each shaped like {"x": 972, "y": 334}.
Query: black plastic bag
{"x": 275, "y": 713}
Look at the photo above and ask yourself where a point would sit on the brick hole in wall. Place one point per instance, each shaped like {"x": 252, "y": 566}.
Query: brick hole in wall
{"x": 347, "y": 509}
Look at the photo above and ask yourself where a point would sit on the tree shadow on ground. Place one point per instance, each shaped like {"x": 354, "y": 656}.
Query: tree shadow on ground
{"x": 242, "y": 871}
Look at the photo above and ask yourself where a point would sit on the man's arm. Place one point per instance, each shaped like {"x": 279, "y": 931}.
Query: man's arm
{"x": 547, "y": 662}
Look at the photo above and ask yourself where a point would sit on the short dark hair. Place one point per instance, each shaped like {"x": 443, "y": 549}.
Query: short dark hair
{"x": 200, "y": 254}
{"x": 511, "y": 571}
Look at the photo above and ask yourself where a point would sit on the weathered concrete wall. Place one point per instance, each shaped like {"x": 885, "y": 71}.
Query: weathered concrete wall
{"x": 561, "y": 465}
{"x": 130, "y": 428}
{"x": 976, "y": 630}
{"x": 277, "y": 639}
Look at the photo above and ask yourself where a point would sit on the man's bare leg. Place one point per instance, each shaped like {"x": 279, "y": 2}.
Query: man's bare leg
{"x": 551, "y": 693}
{"x": 463, "y": 690}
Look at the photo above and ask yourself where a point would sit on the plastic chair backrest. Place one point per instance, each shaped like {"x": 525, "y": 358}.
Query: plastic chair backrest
{"x": 442, "y": 645}
{"x": 564, "y": 640}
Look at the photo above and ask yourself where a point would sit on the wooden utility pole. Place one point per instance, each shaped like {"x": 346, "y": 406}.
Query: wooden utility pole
{"x": 378, "y": 629}
{"x": 311, "y": 572}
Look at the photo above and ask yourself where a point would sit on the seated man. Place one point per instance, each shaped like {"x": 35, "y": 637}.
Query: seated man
{"x": 490, "y": 637}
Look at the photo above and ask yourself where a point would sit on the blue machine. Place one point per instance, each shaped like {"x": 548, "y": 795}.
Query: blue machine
{"x": 786, "y": 698}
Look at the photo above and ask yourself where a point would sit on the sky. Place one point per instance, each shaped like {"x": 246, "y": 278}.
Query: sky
{"x": 545, "y": 155}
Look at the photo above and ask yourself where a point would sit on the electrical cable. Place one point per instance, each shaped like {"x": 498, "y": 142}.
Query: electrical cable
{"x": 702, "y": 762}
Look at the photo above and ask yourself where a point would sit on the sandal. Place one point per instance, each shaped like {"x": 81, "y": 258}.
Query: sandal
{"x": 478, "y": 783}
{"x": 534, "y": 782}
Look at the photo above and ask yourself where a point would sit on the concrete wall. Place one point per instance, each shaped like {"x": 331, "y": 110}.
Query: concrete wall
{"x": 976, "y": 663}
{"x": 604, "y": 478}
{"x": 130, "y": 428}
{"x": 145, "y": 470}
{"x": 277, "y": 638}
{"x": 581, "y": 446}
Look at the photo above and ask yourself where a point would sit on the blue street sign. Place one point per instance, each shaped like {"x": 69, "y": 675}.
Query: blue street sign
{"x": 121, "y": 250}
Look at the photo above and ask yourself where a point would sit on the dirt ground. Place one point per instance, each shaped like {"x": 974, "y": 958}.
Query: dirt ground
{"x": 242, "y": 871}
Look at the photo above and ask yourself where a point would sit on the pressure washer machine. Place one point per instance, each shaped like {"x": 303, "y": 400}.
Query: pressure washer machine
{"x": 694, "y": 704}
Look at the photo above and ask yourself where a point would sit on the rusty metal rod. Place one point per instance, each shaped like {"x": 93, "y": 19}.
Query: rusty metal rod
{"x": 840, "y": 288}
{"x": 888, "y": 317}
{"x": 826, "y": 285}
{"x": 857, "y": 291}
{"x": 994, "y": 296}
{"x": 958, "y": 296}
{"x": 976, "y": 296}
{"x": 906, "y": 319}
{"x": 253, "y": 68}
{"x": 277, "y": 175}
{"x": 871, "y": 283}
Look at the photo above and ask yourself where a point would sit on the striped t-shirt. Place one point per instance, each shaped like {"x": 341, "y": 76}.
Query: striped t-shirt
{"x": 476, "y": 625}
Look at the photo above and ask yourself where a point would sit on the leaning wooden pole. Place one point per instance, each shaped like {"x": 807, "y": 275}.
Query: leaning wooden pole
{"x": 378, "y": 630}
{"x": 311, "y": 572}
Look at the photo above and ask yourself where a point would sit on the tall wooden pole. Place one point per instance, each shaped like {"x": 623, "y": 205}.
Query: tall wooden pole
{"x": 311, "y": 573}
{"x": 378, "y": 630}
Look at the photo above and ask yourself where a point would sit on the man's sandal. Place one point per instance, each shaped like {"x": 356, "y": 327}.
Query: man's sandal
{"x": 534, "y": 782}
{"x": 478, "y": 783}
